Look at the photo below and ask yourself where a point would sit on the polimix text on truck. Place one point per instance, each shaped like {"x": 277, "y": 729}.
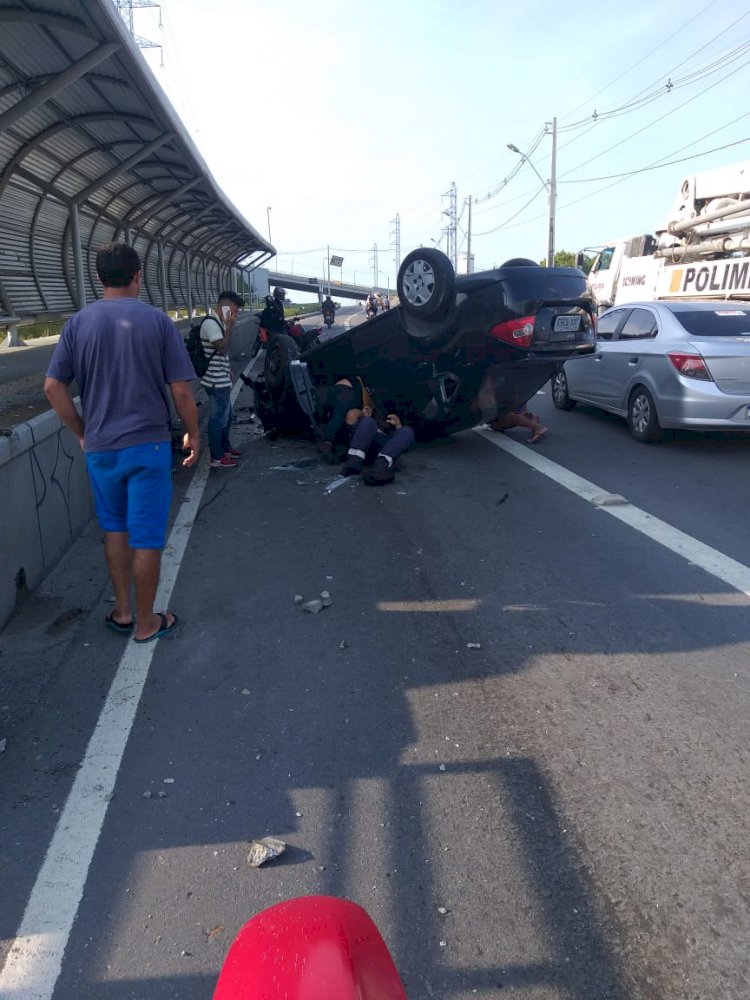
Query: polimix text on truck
{"x": 703, "y": 251}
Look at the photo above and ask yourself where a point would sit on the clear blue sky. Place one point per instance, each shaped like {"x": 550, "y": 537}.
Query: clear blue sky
{"x": 339, "y": 115}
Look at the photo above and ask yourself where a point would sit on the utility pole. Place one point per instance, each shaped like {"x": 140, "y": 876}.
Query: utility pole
{"x": 552, "y": 197}
{"x": 450, "y": 229}
{"x": 469, "y": 267}
{"x": 375, "y": 266}
{"x": 396, "y": 239}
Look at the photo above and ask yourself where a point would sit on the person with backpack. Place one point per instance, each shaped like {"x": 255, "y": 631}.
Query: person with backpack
{"x": 216, "y": 337}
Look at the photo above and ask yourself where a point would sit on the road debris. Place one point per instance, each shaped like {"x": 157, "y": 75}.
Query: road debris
{"x": 245, "y": 691}
{"x": 610, "y": 500}
{"x": 265, "y": 849}
{"x": 443, "y": 911}
{"x": 214, "y": 931}
{"x": 473, "y": 645}
{"x": 326, "y": 598}
{"x": 313, "y": 607}
{"x": 298, "y": 598}
{"x": 147, "y": 795}
{"x": 339, "y": 481}
{"x": 502, "y": 499}
{"x": 343, "y": 644}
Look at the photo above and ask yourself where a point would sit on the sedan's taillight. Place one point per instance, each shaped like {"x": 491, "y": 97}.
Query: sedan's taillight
{"x": 516, "y": 332}
{"x": 690, "y": 365}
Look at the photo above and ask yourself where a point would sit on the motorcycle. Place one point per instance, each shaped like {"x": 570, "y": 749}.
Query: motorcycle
{"x": 371, "y": 309}
{"x": 310, "y": 948}
{"x": 328, "y": 318}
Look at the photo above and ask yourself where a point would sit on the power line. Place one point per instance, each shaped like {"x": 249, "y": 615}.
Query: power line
{"x": 614, "y": 183}
{"x": 632, "y": 66}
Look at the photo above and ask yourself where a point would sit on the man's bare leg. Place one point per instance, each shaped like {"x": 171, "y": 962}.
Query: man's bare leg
{"x": 146, "y": 566}
{"x": 120, "y": 565}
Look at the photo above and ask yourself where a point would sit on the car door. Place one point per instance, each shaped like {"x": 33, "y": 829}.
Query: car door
{"x": 629, "y": 357}
{"x": 587, "y": 376}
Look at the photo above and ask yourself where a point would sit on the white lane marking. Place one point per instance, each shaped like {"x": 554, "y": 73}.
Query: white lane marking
{"x": 33, "y": 964}
{"x": 728, "y": 570}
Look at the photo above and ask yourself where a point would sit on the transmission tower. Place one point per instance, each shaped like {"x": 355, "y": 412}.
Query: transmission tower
{"x": 396, "y": 239}
{"x": 126, "y": 9}
{"x": 450, "y": 229}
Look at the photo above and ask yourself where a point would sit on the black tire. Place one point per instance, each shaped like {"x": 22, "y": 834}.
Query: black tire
{"x": 559, "y": 389}
{"x": 280, "y": 351}
{"x": 643, "y": 419}
{"x": 425, "y": 283}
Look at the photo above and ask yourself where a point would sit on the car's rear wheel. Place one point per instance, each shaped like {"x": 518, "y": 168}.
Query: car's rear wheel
{"x": 560, "y": 396}
{"x": 425, "y": 283}
{"x": 643, "y": 419}
{"x": 280, "y": 351}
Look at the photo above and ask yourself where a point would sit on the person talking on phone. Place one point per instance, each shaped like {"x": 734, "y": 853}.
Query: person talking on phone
{"x": 216, "y": 335}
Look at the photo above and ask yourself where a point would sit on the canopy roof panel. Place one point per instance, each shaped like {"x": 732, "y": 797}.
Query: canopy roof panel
{"x": 91, "y": 149}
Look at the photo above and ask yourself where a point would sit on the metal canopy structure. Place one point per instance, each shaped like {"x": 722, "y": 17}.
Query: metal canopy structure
{"x": 92, "y": 151}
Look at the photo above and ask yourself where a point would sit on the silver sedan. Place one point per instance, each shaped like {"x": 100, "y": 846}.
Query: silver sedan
{"x": 664, "y": 365}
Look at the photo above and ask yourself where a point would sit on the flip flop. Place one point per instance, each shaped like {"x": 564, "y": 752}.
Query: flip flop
{"x": 118, "y": 626}
{"x": 539, "y": 436}
{"x": 165, "y": 629}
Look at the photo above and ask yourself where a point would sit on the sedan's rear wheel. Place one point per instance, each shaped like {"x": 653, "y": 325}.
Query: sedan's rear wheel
{"x": 560, "y": 396}
{"x": 643, "y": 420}
{"x": 425, "y": 283}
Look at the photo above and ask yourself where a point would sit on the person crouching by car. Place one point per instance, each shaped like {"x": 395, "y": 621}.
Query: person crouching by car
{"x": 370, "y": 441}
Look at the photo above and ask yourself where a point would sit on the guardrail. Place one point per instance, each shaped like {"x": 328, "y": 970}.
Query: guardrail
{"x": 46, "y": 499}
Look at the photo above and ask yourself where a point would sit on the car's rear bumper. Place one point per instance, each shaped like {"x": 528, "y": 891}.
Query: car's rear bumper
{"x": 703, "y": 404}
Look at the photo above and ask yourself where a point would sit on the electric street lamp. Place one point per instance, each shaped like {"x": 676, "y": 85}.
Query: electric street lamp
{"x": 551, "y": 187}
{"x": 268, "y": 220}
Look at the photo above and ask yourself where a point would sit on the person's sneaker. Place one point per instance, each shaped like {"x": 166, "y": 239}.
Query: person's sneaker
{"x": 225, "y": 462}
{"x": 380, "y": 473}
{"x": 233, "y": 453}
{"x": 352, "y": 466}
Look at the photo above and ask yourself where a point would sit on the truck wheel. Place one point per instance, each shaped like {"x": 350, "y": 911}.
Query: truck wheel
{"x": 643, "y": 420}
{"x": 560, "y": 396}
{"x": 425, "y": 283}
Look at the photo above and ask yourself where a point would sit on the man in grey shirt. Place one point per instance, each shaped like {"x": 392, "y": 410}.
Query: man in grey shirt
{"x": 126, "y": 357}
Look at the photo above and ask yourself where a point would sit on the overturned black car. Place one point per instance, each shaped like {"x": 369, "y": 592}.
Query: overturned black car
{"x": 458, "y": 351}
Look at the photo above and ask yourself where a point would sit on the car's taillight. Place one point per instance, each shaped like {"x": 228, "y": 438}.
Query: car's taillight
{"x": 691, "y": 365}
{"x": 516, "y": 332}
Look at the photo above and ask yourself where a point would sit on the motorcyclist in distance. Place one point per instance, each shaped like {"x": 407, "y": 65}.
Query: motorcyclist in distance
{"x": 328, "y": 308}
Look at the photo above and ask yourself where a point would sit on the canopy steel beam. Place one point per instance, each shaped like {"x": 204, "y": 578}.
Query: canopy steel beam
{"x": 131, "y": 161}
{"x": 56, "y": 84}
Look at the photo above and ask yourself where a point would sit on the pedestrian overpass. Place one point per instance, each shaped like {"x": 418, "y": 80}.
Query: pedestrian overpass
{"x": 322, "y": 286}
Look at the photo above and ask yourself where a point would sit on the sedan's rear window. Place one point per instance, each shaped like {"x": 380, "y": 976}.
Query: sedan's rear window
{"x": 722, "y": 322}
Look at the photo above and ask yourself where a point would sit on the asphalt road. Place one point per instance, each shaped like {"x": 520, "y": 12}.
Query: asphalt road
{"x": 573, "y": 793}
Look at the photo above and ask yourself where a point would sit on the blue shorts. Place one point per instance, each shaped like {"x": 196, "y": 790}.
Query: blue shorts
{"x": 133, "y": 491}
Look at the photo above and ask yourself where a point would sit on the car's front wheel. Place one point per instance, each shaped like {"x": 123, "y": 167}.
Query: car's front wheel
{"x": 281, "y": 349}
{"x": 643, "y": 419}
{"x": 560, "y": 396}
{"x": 425, "y": 283}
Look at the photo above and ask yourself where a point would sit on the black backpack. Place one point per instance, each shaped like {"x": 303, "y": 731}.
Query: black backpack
{"x": 196, "y": 350}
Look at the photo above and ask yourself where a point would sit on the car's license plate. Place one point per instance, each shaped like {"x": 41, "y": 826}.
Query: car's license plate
{"x": 566, "y": 324}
